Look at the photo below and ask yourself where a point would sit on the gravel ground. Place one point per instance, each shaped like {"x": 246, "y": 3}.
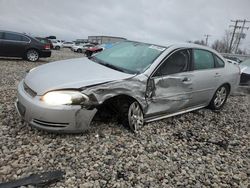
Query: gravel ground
{"x": 197, "y": 149}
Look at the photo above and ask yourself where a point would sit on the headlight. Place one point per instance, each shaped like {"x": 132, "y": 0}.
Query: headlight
{"x": 64, "y": 97}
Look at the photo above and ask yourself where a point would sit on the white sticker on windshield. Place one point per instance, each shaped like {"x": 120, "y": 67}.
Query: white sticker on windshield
{"x": 157, "y": 48}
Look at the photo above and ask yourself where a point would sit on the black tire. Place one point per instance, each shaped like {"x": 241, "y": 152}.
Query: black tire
{"x": 57, "y": 47}
{"x": 79, "y": 50}
{"x": 32, "y": 55}
{"x": 88, "y": 53}
{"x": 220, "y": 97}
{"x": 126, "y": 114}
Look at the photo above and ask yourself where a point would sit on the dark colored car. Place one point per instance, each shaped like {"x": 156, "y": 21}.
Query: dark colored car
{"x": 45, "y": 41}
{"x": 14, "y": 44}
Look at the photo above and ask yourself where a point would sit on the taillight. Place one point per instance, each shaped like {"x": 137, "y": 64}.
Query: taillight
{"x": 47, "y": 47}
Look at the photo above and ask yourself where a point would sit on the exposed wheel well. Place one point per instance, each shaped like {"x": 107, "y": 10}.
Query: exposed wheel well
{"x": 228, "y": 86}
{"x": 112, "y": 107}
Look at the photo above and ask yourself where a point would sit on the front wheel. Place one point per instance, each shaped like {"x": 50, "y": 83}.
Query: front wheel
{"x": 135, "y": 117}
{"x": 32, "y": 55}
{"x": 219, "y": 98}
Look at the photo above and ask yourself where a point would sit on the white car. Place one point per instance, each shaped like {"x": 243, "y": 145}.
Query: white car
{"x": 135, "y": 82}
{"x": 80, "y": 48}
{"x": 232, "y": 61}
{"x": 67, "y": 44}
{"x": 57, "y": 44}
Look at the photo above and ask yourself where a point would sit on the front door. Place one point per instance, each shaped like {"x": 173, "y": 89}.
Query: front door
{"x": 170, "y": 85}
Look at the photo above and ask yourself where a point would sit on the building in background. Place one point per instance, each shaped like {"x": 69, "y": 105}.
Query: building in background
{"x": 105, "y": 39}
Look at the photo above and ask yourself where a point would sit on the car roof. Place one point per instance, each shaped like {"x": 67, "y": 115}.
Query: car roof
{"x": 182, "y": 45}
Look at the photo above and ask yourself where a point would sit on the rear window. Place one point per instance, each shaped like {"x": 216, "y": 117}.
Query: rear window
{"x": 12, "y": 36}
{"x": 1, "y": 35}
{"x": 25, "y": 39}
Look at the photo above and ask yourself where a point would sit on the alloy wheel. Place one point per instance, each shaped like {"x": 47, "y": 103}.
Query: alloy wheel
{"x": 220, "y": 97}
{"x": 32, "y": 55}
{"x": 135, "y": 117}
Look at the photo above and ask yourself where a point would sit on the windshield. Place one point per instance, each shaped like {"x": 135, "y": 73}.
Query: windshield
{"x": 129, "y": 57}
{"x": 246, "y": 62}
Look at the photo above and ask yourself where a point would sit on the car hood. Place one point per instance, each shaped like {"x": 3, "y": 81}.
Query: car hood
{"x": 245, "y": 69}
{"x": 70, "y": 74}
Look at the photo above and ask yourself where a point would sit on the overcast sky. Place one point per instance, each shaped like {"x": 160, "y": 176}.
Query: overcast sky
{"x": 156, "y": 21}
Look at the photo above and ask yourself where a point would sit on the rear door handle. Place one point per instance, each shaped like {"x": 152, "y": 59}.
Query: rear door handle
{"x": 217, "y": 74}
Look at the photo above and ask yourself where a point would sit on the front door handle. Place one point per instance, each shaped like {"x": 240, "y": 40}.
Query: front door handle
{"x": 186, "y": 79}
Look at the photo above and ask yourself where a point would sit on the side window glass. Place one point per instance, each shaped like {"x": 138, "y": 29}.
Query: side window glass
{"x": 219, "y": 62}
{"x": 1, "y": 35}
{"x": 203, "y": 59}
{"x": 12, "y": 36}
{"x": 176, "y": 63}
{"x": 25, "y": 39}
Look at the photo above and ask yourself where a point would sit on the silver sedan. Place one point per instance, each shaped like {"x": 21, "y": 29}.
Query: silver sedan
{"x": 135, "y": 82}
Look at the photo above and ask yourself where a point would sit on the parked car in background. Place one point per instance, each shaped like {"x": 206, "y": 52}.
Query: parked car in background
{"x": 13, "y": 44}
{"x": 67, "y": 44}
{"x": 80, "y": 48}
{"x": 245, "y": 73}
{"x": 98, "y": 48}
{"x": 57, "y": 44}
{"x": 137, "y": 82}
{"x": 233, "y": 59}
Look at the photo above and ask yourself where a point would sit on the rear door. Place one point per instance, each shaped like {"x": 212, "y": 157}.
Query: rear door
{"x": 206, "y": 77}
{"x": 14, "y": 45}
{"x": 172, "y": 85}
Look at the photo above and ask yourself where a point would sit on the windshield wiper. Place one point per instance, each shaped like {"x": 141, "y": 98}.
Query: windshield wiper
{"x": 112, "y": 67}
{"x": 93, "y": 58}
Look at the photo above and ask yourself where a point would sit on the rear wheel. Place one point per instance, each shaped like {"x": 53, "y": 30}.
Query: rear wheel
{"x": 57, "y": 47}
{"x": 219, "y": 98}
{"x": 88, "y": 53}
{"x": 32, "y": 55}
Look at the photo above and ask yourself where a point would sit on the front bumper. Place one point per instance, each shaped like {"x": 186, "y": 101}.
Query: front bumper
{"x": 63, "y": 118}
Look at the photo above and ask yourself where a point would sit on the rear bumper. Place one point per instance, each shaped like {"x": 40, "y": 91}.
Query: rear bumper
{"x": 60, "y": 119}
{"x": 45, "y": 53}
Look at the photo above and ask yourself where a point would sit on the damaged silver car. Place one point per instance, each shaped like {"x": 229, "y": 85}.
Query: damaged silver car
{"x": 136, "y": 82}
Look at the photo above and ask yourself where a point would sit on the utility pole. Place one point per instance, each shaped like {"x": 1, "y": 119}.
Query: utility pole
{"x": 240, "y": 35}
{"x": 206, "y": 36}
{"x": 237, "y": 41}
{"x": 231, "y": 42}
